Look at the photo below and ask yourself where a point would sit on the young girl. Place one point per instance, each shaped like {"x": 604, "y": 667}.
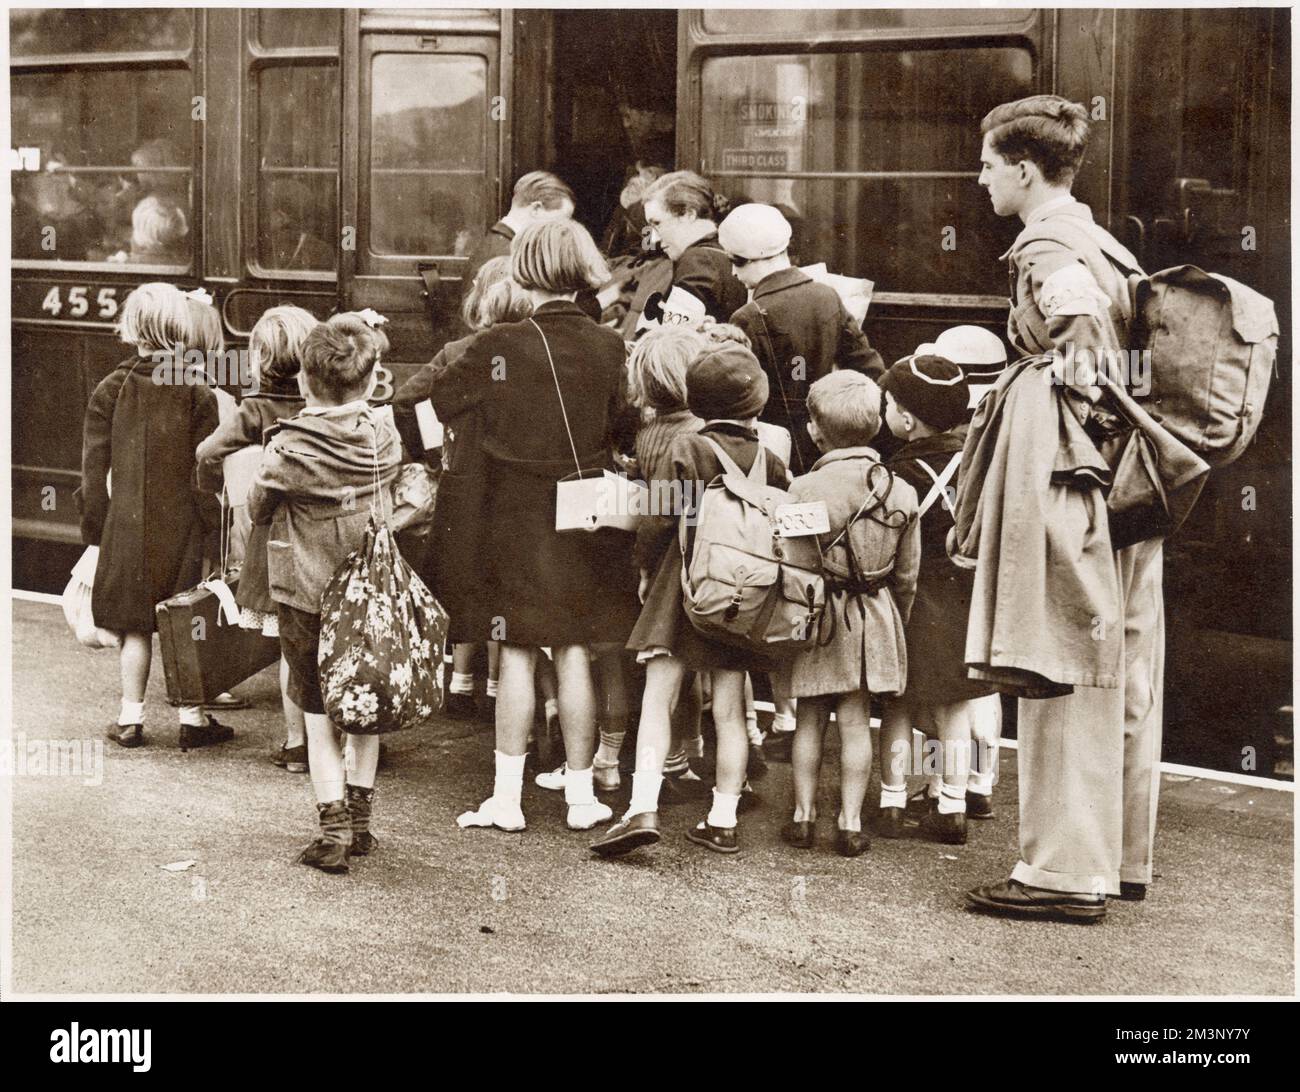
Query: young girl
{"x": 274, "y": 348}
{"x": 151, "y": 529}
{"x": 870, "y": 557}
{"x": 726, "y": 389}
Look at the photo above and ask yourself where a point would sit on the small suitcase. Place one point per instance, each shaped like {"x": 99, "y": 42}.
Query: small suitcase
{"x": 204, "y": 651}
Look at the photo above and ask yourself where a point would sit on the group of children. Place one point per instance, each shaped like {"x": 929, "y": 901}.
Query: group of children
{"x": 890, "y": 640}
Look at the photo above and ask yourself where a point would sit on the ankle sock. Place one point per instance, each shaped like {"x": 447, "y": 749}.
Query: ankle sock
{"x": 952, "y": 800}
{"x": 723, "y": 812}
{"x": 893, "y": 796}
{"x": 193, "y": 716}
{"x": 645, "y": 792}
{"x": 462, "y": 684}
{"x": 509, "y": 783}
{"x": 751, "y": 729}
{"x": 578, "y": 786}
{"x": 676, "y": 763}
{"x": 782, "y": 722}
{"x": 132, "y": 712}
{"x": 491, "y": 688}
{"x": 611, "y": 743}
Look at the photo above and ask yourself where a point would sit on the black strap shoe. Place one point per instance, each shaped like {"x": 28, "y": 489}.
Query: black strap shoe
{"x": 1016, "y": 900}
{"x": 126, "y": 735}
{"x": 629, "y": 833}
{"x": 718, "y": 839}
{"x": 205, "y": 735}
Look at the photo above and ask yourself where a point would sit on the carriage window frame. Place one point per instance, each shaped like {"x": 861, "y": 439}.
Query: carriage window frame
{"x": 372, "y": 263}
{"x": 258, "y": 59}
{"x": 859, "y": 42}
{"x": 146, "y": 61}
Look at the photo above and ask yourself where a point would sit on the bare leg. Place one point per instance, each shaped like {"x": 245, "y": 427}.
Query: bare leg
{"x": 137, "y": 652}
{"x": 325, "y": 758}
{"x": 295, "y": 728}
{"x": 516, "y": 700}
{"x": 729, "y": 720}
{"x": 577, "y": 702}
{"x": 806, "y": 756}
{"x": 365, "y": 760}
{"x": 895, "y": 750}
{"x": 854, "y": 720}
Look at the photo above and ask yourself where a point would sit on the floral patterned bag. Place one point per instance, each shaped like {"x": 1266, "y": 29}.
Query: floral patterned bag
{"x": 381, "y": 641}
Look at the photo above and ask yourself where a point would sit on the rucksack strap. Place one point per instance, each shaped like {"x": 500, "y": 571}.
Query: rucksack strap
{"x": 757, "y": 472}
{"x": 939, "y": 488}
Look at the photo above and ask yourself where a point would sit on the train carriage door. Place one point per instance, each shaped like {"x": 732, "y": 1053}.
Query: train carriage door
{"x": 427, "y": 144}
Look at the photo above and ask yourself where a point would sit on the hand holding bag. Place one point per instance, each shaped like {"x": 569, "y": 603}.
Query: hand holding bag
{"x": 76, "y": 603}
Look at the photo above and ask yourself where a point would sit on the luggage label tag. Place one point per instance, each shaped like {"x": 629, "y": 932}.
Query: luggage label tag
{"x": 796, "y": 520}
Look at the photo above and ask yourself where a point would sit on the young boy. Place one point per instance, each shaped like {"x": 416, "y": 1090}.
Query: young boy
{"x": 926, "y": 400}
{"x": 870, "y": 556}
{"x": 316, "y": 488}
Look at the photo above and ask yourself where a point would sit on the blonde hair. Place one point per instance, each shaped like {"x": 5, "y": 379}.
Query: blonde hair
{"x": 658, "y": 366}
{"x": 556, "y": 256}
{"x": 494, "y": 297}
{"x": 549, "y": 190}
{"x": 845, "y": 406}
{"x": 155, "y": 317}
{"x": 276, "y": 342}
{"x": 205, "y": 327}
{"x": 157, "y": 227}
{"x": 719, "y": 333}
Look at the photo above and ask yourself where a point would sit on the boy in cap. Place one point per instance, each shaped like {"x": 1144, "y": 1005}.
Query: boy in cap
{"x": 725, "y": 388}
{"x": 800, "y": 329}
{"x": 926, "y": 406}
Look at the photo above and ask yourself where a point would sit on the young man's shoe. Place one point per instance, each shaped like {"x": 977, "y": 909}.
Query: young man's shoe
{"x": 948, "y": 830}
{"x": 629, "y": 833}
{"x": 205, "y": 735}
{"x": 293, "y": 759}
{"x": 979, "y": 806}
{"x": 718, "y": 839}
{"x": 126, "y": 735}
{"x": 1014, "y": 899}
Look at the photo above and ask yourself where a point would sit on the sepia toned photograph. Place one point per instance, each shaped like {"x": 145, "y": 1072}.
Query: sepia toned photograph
{"x": 635, "y": 501}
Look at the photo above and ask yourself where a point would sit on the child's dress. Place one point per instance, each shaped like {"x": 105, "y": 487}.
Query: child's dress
{"x": 662, "y": 625}
{"x": 870, "y": 572}
{"x": 254, "y": 418}
{"x": 151, "y": 531}
{"x": 936, "y": 630}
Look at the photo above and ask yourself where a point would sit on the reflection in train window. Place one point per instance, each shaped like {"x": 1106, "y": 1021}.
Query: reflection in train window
{"x": 298, "y": 28}
{"x": 801, "y": 20}
{"x": 428, "y": 151}
{"x": 298, "y": 167}
{"x": 895, "y": 112}
{"x": 115, "y": 167}
{"x": 40, "y": 32}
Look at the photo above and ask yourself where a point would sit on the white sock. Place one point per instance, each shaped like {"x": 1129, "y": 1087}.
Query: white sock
{"x": 193, "y": 716}
{"x": 893, "y": 797}
{"x": 932, "y": 783}
{"x": 552, "y": 708}
{"x": 751, "y": 729}
{"x": 132, "y": 712}
{"x": 492, "y": 688}
{"x": 952, "y": 800}
{"x": 509, "y": 784}
{"x": 611, "y": 743}
{"x": 578, "y": 787}
{"x": 782, "y": 722}
{"x": 980, "y": 785}
{"x": 462, "y": 684}
{"x": 723, "y": 812}
{"x": 645, "y": 793}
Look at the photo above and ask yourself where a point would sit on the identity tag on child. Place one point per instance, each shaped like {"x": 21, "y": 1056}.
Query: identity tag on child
{"x": 431, "y": 432}
{"x": 796, "y": 520}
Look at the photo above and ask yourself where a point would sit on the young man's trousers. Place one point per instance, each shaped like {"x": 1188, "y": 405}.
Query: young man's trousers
{"x": 1089, "y": 762}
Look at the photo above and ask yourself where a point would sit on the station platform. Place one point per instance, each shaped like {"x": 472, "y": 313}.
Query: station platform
{"x": 165, "y": 872}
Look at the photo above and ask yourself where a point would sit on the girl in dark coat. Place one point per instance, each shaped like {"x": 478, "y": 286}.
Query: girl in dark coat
{"x": 680, "y": 208}
{"x": 142, "y": 425}
{"x": 274, "y": 345}
{"x": 551, "y": 394}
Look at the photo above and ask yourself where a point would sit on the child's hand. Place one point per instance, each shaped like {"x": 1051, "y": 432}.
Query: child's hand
{"x": 643, "y": 586}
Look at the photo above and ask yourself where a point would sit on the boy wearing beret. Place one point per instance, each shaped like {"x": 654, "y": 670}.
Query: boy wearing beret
{"x": 926, "y": 399}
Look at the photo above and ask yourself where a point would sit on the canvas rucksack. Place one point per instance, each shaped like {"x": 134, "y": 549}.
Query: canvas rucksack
{"x": 743, "y": 583}
{"x": 1212, "y": 343}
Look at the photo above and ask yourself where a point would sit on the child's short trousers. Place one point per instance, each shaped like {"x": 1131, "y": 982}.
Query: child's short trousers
{"x": 299, "y": 644}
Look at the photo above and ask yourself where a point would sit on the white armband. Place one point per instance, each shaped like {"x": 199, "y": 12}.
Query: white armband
{"x": 1072, "y": 290}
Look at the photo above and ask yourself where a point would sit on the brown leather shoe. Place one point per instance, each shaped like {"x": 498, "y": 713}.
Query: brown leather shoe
{"x": 126, "y": 735}
{"x": 718, "y": 839}
{"x": 629, "y": 833}
{"x": 978, "y": 807}
{"x": 1015, "y": 899}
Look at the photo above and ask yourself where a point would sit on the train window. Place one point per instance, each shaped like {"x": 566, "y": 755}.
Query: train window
{"x": 41, "y": 32}
{"x": 114, "y": 177}
{"x": 800, "y": 20}
{"x": 298, "y": 167}
{"x": 914, "y": 218}
{"x": 428, "y": 151}
{"x": 298, "y": 28}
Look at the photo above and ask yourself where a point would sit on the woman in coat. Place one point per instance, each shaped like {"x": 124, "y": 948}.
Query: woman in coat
{"x": 680, "y": 211}
{"x": 550, "y": 392}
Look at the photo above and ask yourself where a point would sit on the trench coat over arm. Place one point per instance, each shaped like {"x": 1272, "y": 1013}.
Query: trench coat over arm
{"x": 151, "y": 531}
{"x": 544, "y": 587}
